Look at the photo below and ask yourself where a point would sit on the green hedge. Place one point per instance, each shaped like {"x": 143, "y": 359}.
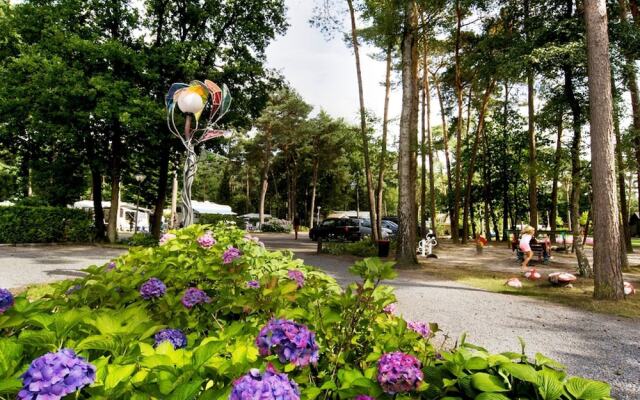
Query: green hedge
{"x": 212, "y": 219}
{"x": 20, "y": 224}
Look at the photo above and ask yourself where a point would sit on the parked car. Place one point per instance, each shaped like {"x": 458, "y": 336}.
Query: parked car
{"x": 343, "y": 229}
{"x": 365, "y": 228}
{"x": 392, "y": 226}
{"x": 391, "y": 218}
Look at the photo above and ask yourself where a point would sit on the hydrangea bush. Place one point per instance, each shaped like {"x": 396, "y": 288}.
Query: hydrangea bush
{"x": 132, "y": 332}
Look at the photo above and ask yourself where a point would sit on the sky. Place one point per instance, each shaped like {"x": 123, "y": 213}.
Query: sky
{"x": 323, "y": 71}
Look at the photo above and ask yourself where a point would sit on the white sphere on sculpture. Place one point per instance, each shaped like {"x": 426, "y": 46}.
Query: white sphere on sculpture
{"x": 190, "y": 103}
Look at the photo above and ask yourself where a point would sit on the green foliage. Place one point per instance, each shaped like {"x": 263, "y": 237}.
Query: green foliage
{"x": 21, "y": 224}
{"x": 105, "y": 319}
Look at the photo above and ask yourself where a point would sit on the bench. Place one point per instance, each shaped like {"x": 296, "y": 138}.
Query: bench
{"x": 539, "y": 253}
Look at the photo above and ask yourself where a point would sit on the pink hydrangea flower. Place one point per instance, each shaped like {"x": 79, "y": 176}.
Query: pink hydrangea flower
{"x": 166, "y": 237}
{"x": 206, "y": 241}
{"x": 390, "y": 308}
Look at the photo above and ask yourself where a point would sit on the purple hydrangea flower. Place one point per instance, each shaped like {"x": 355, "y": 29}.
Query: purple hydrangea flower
{"x": 153, "y": 288}
{"x": 399, "y": 372}
{"x": 73, "y": 289}
{"x": 174, "y": 336}
{"x": 390, "y": 308}
{"x": 55, "y": 375}
{"x": 166, "y": 237}
{"x": 230, "y": 254}
{"x": 6, "y": 300}
{"x": 269, "y": 385}
{"x": 206, "y": 241}
{"x": 363, "y": 397}
{"x": 253, "y": 284}
{"x": 290, "y": 341}
{"x": 194, "y": 296}
{"x": 422, "y": 328}
{"x": 111, "y": 266}
{"x": 297, "y": 276}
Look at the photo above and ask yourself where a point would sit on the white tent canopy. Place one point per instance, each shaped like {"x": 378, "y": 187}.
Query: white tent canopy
{"x": 255, "y": 216}
{"x": 209, "y": 207}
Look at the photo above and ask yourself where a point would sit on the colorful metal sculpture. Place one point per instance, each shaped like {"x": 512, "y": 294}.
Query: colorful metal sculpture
{"x": 196, "y": 100}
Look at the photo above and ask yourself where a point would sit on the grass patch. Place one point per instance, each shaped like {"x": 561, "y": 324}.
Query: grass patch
{"x": 580, "y": 296}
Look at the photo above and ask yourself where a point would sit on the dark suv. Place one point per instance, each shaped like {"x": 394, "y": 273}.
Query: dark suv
{"x": 342, "y": 229}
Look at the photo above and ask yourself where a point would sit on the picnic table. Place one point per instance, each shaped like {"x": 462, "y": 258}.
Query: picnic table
{"x": 563, "y": 233}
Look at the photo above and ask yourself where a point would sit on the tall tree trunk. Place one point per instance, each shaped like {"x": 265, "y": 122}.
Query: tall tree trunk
{"x": 385, "y": 126}
{"x": 458, "y": 91}
{"x": 474, "y": 155}
{"x": 629, "y": 73}
{"x": 423, "y": 145}
{"x": 505, "y": 177}
{"x": 314, "y": 183}
{"x": 584, "y": 268}
{"x": 161, "y": 197}
{"x": 432, "y": 185}
{"x": 116, "y": 156}
{"x": 556, "y": 174}
{"x": 406, "y": 250}
{"x": 445, "y": 139}
{"x": 624, "y": 208}
{"x": 265, "y": 177}
{"x": 375, "y": 231}
{"x": 487, "y": 183}
{"x": 96, "y": 188}
{"x": 533, "y": 195}
{"x": 606, "y": 218}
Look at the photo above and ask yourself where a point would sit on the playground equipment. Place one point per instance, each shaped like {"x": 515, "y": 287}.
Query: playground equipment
{"x": 426, "y": 245}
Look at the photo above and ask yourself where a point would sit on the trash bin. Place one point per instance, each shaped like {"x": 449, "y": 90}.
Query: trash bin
{"x": 383, "y": 248}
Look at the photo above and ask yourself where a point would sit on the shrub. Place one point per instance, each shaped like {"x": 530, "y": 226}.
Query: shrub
{"x": 363, "y": 248}
{"x": 142, "y": 239}
{"x": 19, "y": 224}
{"x": 277, "y": 225}
{"x": 268, "y": 340}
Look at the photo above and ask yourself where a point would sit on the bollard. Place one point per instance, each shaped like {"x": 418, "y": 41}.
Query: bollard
{"x": 319, "y": 249}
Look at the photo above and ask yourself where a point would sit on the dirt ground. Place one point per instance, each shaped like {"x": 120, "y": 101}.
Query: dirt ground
{"x": 497, "y": 257}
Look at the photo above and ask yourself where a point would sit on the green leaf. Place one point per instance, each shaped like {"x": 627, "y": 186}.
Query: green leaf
{"x": 39, "y": 339}
{"x": 549, "y": 385}
{"x": 491, "y": 396}
{"x": 476, "y": 363}
{"x": 117, "y": 373}
{"x": 187, "y": 391}
{"x": 521, "y": 371}
{"x": 10, "y": 385}
{"x": 311, "y": 392}
{"x": 488, "y": 383}
{"x": 585, "y": 389}
{"x": 542, "y": 360}
{"x": 10, "y": 356}
{"x": 99, "y": 342}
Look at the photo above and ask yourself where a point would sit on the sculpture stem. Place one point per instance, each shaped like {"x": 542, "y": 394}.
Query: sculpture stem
{"x": 190, "y": 167}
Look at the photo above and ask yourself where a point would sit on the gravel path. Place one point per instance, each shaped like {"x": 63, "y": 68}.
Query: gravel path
{"x": 591, "y": 345}
{"x": 25, "y": 265}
